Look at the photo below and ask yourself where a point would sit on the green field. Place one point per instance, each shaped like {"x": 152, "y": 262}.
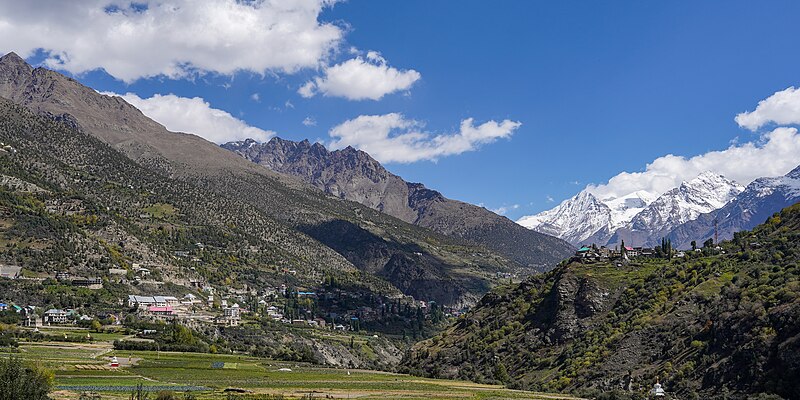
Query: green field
{"x": 84, "y": 367}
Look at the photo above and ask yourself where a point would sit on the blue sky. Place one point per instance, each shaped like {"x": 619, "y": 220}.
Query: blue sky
{"x": 598, "y": 87}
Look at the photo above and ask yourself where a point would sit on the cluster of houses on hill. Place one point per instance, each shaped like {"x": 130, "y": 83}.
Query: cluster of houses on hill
{"x": 29, "y": 315}
{"x": 601, "y": 254}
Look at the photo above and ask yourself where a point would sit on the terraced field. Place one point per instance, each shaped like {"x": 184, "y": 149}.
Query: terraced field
{"x": 84, "y": 368}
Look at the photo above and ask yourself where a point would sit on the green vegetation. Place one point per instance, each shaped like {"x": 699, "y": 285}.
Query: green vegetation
{"x": 712, "y": 322}
{"x": 23, "y": 380}
{"x": 82, "y": 370}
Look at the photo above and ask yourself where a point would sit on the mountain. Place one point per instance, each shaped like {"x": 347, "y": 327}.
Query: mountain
{"x": 306, "y": 230}
{"x": 705, "y": 193}
{"x": 354, "y": 175}
{"x": 573, "y": 220}
{"x": 70, "y": 203}
{"x": 639, "y": 218}
{"x": 585, "y": 218}
{"x": 754, "y": 204}
{"x": 713, "y": 324}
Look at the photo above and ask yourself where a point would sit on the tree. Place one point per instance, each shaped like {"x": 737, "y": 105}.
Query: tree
{"x": 96, "y": 326}
{"x": 501, "y": 374}
{"x": 694, "y": 245}
{"x": 139, "y": 393}
{"x": 23, "y": 381}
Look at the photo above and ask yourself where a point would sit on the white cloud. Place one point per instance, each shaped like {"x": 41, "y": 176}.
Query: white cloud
{"x": 309, "y": 121}
{"x": 195, "y": 115}
{"x": 256, "y": 97}
{"x": 782, "y": 108}
{"x": 774, "y": 154}
{"x": 174, "y": 38}
{"x": 503, "y": 210}
{"x": 393, "y": 138}
{"x": 360, "y": 79}
{"x": 550, "y": 199}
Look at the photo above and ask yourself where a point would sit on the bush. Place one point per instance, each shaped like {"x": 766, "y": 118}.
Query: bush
{"x": 23, "y": 381}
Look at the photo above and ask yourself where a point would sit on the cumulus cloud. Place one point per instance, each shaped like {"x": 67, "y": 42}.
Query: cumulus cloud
{"x": 775, "y": 153}
{"x": 195, "y": 115}
{"x": 309, "y": 121}
{"x": 132, "y": 40}
{"x": 394, "y": 138}
{"x": 359, "y": 78}
{"x": 782, "y": 108}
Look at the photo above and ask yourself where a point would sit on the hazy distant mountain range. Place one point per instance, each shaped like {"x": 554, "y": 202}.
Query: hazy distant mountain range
{"x": 684, "y": 214}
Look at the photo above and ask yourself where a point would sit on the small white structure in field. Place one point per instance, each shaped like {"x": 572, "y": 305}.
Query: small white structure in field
{"x": 658, "y": 391}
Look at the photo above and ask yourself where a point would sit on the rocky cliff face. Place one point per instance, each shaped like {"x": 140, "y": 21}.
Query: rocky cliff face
{"x": 702, "y": 325}
{"x": 353, "y": 175}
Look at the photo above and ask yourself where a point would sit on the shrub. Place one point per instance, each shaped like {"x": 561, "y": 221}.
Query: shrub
{"x": 23, "y": 381}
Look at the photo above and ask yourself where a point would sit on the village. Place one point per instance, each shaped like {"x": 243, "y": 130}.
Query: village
{"x": 623, "y": 253}
{"x": 198, "y": 304}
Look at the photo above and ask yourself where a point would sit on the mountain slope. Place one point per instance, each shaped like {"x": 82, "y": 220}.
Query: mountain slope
{"x": 756, "y": 203}
{"x": 448, "y": 270}
{"x": 70, "y": 203}
{"x": 715, "y": 325}
{"x": 353, "y": 175}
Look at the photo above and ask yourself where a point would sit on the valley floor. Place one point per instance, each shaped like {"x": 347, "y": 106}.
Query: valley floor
{"x": 82, "y": 367}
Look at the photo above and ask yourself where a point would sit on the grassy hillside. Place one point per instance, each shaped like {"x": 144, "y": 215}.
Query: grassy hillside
{"x": 715, "y": 323}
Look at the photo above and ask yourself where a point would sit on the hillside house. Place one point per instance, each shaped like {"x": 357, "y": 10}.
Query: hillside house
{"x": 91, "y": 283}
{"x": 230, "y": 316}
{"x": 161, "y": 311}
{"x": 143, "y": 302}
{"x": 10, "y": 271}
{"x": 55, "y": 316}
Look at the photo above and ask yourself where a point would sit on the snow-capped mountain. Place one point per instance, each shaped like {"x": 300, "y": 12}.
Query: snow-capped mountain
{"x": 639, "y": 218}
{"x": 573, "y": 220}
{"x": 585, "y": 217}
{"x": 759, "y": 200}
{"x": 703, "y": 194}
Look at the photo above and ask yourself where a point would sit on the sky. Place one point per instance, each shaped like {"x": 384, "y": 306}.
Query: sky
{"x": 513, "y": 105}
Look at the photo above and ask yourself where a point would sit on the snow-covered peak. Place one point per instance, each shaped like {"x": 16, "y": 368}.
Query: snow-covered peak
{"x": 788, "y": 184}
{"x": 574, "y": 220}
{"x": 624, "y": 208}
{"x": 705, "y": 193}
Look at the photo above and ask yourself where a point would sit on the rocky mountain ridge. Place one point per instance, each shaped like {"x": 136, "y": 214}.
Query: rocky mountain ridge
{"x": 354, "y": 175}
